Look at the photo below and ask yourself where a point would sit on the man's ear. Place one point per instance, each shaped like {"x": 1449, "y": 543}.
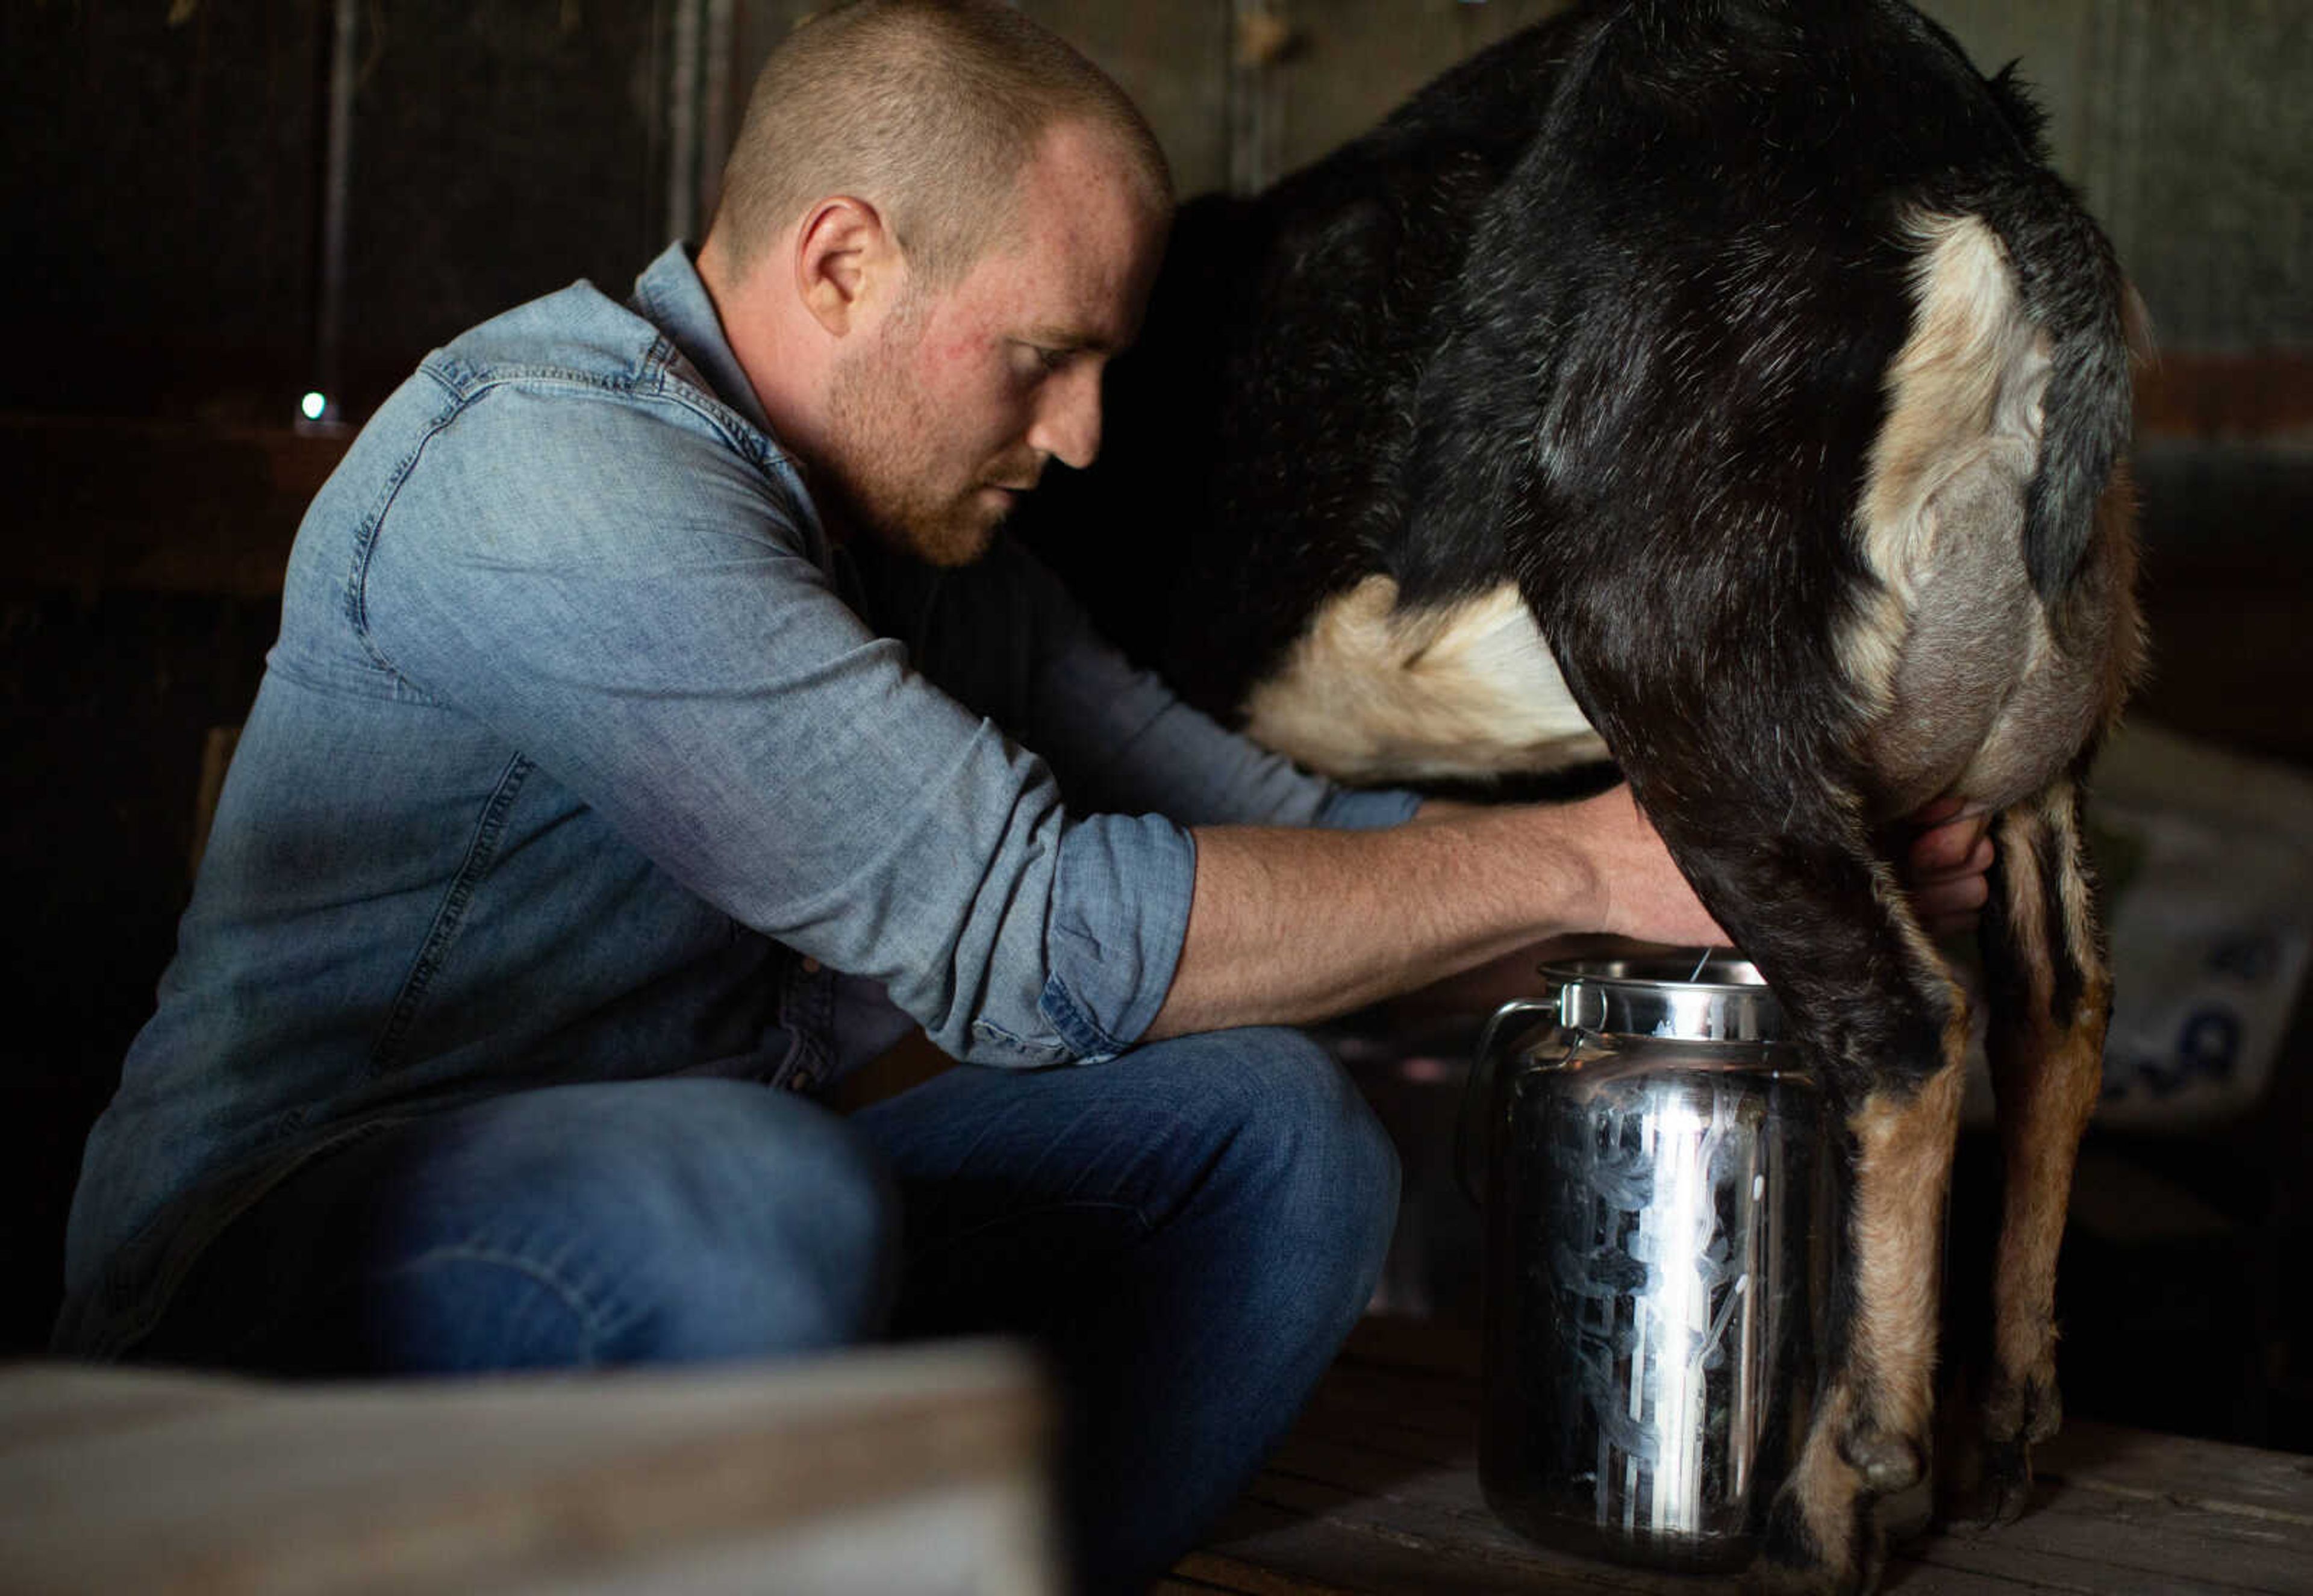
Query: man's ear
{"x": 846, "y": 263}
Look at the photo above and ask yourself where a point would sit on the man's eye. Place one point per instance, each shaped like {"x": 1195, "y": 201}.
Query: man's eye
{"x": 1053, "y": 360}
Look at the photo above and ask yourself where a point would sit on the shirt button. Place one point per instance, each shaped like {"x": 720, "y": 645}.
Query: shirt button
{"x": 810, "y": 966}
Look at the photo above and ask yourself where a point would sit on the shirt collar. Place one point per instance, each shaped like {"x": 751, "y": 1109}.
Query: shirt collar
{"x": 670, "y": 294}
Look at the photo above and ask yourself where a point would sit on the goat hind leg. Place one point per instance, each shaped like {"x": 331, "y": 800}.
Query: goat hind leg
{"x": 1832, "y": 930}
{"x": 1869, "y": 1437}
{"x": 2050, "y": 998}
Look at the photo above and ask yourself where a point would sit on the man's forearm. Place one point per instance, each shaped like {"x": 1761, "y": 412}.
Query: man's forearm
{"x": 1288, "y": 927}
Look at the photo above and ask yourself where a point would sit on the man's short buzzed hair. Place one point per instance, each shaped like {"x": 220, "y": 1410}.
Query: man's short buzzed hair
{"x": 927, "y": 109}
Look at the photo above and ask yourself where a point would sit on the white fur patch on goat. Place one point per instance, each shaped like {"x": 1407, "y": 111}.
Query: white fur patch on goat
{"x": 1968, "y": 379}
{"x": 1373, "y": 693}
{"x": 1938, "y": 651}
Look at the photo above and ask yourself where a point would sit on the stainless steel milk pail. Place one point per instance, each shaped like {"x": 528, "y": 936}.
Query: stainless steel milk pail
{"x": 1658, "y": 1217}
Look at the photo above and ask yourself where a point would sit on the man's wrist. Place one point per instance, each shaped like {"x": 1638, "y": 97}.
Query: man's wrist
{"x": 1573, "y": 884}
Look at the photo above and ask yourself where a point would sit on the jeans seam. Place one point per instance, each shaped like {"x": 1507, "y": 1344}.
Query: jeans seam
{"x": 592, "y": 1320}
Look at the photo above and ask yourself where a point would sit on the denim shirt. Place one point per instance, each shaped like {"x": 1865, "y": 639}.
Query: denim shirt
{"x": 582, "y": 756}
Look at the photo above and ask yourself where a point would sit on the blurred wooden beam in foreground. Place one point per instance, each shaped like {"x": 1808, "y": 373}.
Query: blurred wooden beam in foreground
{"x": 917, "y": 1469}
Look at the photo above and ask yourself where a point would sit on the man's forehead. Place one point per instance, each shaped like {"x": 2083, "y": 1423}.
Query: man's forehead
{"x": 1094, "y": 301}
{"x": 1083, "y": 186}
{"x": 1070, "y": 279}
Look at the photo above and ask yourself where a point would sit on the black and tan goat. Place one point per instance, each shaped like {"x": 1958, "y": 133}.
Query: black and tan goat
{"x": 1731, "y": 390}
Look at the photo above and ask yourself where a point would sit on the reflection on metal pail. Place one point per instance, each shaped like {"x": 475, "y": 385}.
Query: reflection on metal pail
{"x": 1659, "y": 1220}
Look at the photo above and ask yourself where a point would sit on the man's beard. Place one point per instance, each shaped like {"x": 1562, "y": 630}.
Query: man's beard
{"x": 886, "y": 480}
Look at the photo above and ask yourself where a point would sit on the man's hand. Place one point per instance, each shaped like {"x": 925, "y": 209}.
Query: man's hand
{"x": 1634, "y": 888}
{"x": 1641, "y": 893}
{"x": 1947, "y": 867}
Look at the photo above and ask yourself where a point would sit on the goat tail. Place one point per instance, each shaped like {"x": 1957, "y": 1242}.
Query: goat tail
{"x": 2072, "y": 289}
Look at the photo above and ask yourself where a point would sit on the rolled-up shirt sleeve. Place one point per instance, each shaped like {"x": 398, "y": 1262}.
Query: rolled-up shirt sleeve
{"x": 628, "y": 600}
{"x": 1120, "y": 914}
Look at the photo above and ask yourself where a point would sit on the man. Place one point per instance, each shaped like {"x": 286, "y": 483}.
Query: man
{"x": 592, "y": 814}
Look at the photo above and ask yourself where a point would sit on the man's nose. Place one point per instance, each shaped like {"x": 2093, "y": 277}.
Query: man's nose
{"x": 1067, "y": 424}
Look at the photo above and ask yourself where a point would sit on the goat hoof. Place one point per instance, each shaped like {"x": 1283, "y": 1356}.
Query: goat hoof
{"x": 2007, "y": 1484}
{"x": 2021, "y": 1414}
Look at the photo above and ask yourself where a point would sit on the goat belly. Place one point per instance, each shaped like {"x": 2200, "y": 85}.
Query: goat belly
{"x": 1373, "y": 692}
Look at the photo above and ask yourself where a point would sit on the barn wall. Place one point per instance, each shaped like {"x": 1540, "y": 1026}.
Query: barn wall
{"x": 2187, "y": 126}
{"x": 2185, "y": 122}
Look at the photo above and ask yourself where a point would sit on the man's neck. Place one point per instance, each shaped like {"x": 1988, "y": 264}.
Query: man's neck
{"x": 781, "y": 361}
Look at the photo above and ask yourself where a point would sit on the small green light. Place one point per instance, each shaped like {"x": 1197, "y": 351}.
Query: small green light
{"x": 313, "y": 405}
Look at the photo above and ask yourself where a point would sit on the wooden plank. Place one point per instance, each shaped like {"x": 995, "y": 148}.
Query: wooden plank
{"x": 1433, "y": 1395}
{"x": 2225, "y": 1478}
{"x": 1375, "y": 1491}
{"x": 2123, "y": 1532}
{"x": 2110, "y": 1542}
{"x": 1449, "y": 1392}
{"x": 1211, "y": 1571}
{"x": 1436, "y": 1522}
{"x": 1383, "y": 1434}
{"x": 1361, "y": 1551}
{"x": 1435, "y": 1533}
{"x": 1956, "y": 1560}
{"x": 124, "y": 1480}
{"x": 1364, "y": 1473}
{"x": 42, "y": 1405}
{"x": 1435, "y": 1437}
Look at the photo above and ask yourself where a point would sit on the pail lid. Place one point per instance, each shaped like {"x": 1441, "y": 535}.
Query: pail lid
{"x": 1718, "y": 997}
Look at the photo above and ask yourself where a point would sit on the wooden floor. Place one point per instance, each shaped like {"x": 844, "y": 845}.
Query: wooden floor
{"x": 1377, "y": 1491}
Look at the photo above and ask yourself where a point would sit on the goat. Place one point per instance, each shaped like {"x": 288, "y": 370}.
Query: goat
{"x": 1727, "y": 387}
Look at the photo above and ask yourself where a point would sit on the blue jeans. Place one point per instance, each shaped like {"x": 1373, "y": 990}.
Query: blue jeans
{"x": 1189, "y": 1231}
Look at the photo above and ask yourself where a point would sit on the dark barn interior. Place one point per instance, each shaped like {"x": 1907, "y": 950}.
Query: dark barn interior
{"x": 220, "y": 209}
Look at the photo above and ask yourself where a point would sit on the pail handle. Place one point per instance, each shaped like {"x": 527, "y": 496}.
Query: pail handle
{"x": 1468, "y": 1126}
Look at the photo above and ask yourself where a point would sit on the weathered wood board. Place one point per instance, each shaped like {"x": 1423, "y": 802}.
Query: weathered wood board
{"x": 1376, "y": 1492}
{"x": 919, "y": 1469}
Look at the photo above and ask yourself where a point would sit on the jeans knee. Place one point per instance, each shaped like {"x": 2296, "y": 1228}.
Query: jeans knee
{"x": 789, "y": 1243}
{"x": 1320, "y": 1113}
{"x": 1288, "y": 1105}
{"x": 697, "y": 1219}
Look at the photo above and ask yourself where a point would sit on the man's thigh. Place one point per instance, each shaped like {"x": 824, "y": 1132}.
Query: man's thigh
{"x": 649, "y": 1220}
{"x": 1025, "y": 1191}
{"x": 1189, "y": 1231}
